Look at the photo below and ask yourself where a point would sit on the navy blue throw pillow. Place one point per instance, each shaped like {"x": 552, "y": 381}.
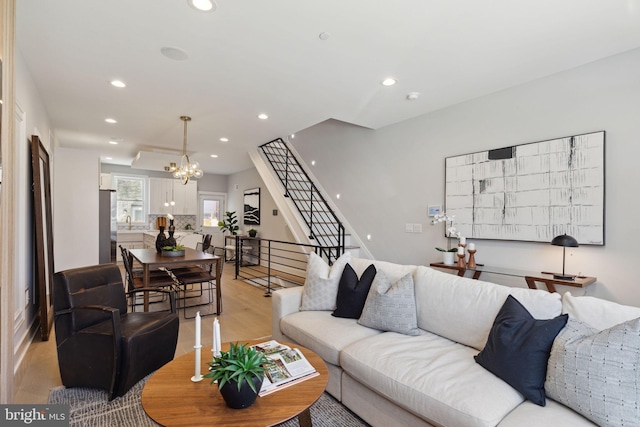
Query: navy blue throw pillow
{"x": 352, "y": 293}
{"x": 518, "y": 348}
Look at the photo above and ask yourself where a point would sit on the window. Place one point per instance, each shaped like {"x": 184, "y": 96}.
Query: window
{"x": 130, "y": 196}
{"x": 210, "y": 209}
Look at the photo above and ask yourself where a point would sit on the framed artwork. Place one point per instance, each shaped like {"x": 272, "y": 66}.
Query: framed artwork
{"x": 252, "y": 206}
{"x": 43, "y": 228}
{"x": 530, "y": 192}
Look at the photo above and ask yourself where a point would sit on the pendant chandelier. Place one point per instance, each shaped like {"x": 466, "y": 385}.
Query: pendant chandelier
{"x": 187, "y": 170}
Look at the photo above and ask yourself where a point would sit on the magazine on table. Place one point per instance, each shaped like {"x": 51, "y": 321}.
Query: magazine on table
{"x": 285, "y": 367}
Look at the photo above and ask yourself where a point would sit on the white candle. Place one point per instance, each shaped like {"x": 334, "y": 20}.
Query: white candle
{"x": 198, "y": 320}
{"x": 463, "y": 240}
{"x": 460, "y": 250}
{"x": 216, "y": 337}
{"x": 471, "y": 246}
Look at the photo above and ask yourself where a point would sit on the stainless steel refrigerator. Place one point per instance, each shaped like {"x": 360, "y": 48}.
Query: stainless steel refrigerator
{"x": 108, "y": 229}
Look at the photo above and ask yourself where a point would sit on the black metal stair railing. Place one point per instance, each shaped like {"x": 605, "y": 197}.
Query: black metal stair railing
{"x": 323, "y": 224}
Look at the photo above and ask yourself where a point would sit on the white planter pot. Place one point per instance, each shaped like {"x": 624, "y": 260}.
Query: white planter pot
{"x": 448, "y": 258}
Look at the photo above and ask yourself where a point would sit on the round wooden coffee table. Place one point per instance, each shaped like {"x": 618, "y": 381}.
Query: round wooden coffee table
{"x": 170, "y": 398}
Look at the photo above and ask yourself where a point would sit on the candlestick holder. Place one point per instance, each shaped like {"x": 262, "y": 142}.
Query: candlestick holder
{"x": 472, "y": 259}
{"x": 197, "y": 376}
{"x": 461, "y": 263}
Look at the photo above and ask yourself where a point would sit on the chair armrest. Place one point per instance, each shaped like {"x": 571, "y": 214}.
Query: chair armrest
{"x": 172, "y": 295}
{"x": 284, "y": 302}
{"x": 117, "y": 335}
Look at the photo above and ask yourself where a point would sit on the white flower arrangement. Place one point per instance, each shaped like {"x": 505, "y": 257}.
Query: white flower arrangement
{"x": 451, "y": 231}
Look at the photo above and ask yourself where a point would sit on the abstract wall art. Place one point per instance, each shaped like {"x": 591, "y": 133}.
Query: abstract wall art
{"x": 252, "y": 206}
{"x": 530, "y": 192}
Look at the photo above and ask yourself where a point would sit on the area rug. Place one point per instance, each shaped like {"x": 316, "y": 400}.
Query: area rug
{"x": 90, "y": 408}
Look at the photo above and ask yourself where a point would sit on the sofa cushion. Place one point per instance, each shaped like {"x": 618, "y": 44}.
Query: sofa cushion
{"x": 476, "y": 305}
{"x": 596, "y": 373}
{"x": 352, "y": 292}
{"x": 322, "y": 333}
{"x": 518, "y": 349}
{"x": 597, "y": 313}
{"x": 391, "y": 306}
{"x": 321, "y": 284}
{"x": 432, "y": 377}
{"x": 528, "y": 414}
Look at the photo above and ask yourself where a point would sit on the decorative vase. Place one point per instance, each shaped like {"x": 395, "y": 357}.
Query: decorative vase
{"x": 160, "y": 240}
{"x": 243, "y": 398}
{"x": 172, "y": 228}
{"x": 448, "y": 258}
{"x": 170, "y": 241}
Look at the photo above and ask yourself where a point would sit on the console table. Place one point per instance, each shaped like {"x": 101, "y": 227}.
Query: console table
{"x": 531, "y": 278}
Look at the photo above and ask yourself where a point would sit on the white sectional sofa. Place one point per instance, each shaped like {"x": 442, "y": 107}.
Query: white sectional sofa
{"x": 432, "y": 379}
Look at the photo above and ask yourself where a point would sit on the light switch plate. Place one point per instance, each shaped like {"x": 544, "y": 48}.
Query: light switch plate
{"x": 417, "y": 228}
{"x": 408, "y": 228}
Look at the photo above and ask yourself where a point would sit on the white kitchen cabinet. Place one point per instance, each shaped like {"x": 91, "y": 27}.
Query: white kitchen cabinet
{"x": 106, "y": 182}
{"x": 160, "y": 192}
{"x": 128, "y": 240}
{"x": 186, "y": 198}
{"x": 164, "y": 190}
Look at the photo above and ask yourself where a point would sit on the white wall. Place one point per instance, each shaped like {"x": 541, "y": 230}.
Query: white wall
{"x": 75, "y": 208}
{"x": 389, "y": 176}
{"x": 271, "y": 226}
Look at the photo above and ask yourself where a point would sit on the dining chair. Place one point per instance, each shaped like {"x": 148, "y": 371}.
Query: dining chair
{"x": 135, "y": 280}
{"x": 100, "y": 344}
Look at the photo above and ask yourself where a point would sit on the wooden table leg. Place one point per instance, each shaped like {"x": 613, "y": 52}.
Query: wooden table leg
{"x": 476, "y": 274}
{"x": 304, "y": 418}
{"x": 145, "y": 281}
{"x": 532, "y": 284}
{"x": 218, "y": 286}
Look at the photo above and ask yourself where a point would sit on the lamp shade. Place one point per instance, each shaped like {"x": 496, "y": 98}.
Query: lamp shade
{"x": 565, "y": 240}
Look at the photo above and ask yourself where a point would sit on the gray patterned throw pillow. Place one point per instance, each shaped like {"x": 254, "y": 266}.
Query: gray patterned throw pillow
{"x": 321, "y": 285}
{"x": 597, "y": 373}
{"x": 391, "y": 306}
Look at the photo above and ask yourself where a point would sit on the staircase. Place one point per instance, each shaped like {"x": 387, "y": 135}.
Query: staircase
{"x": 324, "y": 227}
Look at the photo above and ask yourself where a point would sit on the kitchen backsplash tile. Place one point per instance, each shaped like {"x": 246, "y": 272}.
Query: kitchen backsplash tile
{"x": 180, "y": 221}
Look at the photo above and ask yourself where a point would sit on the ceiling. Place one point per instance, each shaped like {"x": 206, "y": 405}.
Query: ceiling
{"x": 255, "y": 56}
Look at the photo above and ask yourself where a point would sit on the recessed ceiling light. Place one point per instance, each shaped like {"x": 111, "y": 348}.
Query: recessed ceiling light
{"x": 324, "y": 36}
{"x": 338, "y": 196}
{"x": 110, "y": 120}
{"x": 108, "y": 158}
{"x": 112, "y": 142}
{"x": 412, "y": 96}
{"x": 174, "y": 53}
{"x": 118, "y": 83}
{"x": 263, "y": 116}
{"x": 203, "y": 5}
{"x": 214, "y": 155}
{"x": 313, "y": 162}
{"x": 223, "y": 139}
{"x": 293, "y": 136}
{"x": 389, "y": 81}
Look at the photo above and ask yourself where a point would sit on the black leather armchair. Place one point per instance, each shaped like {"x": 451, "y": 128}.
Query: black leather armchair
{"x": 99, "y": 344}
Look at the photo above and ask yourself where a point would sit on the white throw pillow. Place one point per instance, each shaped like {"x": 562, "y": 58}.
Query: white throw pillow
{"x": 597, "y": 313}
{"x": 596, "y": 373}
{"x": 321, "y": 285}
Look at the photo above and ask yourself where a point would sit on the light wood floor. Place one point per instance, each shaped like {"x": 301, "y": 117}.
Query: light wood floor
{"x": 246, "y": 315}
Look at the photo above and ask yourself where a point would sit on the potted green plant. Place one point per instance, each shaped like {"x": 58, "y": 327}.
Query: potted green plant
{"x": 252, "y": 232}
{"x": 176, "y": 250}
{"x": 239, "y": 373}
{"x": 448, "y": 255}
{"x": 229, "y": 224}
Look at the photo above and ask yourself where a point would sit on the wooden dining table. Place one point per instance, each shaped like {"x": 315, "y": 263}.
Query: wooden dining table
{"x": 150, "y": 259}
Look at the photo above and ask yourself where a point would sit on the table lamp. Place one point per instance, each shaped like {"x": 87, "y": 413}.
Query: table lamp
{"x": 565, "y": 241}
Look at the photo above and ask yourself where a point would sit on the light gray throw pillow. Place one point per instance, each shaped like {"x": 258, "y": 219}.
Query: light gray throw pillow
{"x": 321, "y": 285}
{"x": 391, "y": 306}
{"x": 597, "y": 374}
